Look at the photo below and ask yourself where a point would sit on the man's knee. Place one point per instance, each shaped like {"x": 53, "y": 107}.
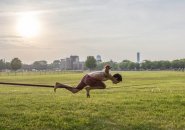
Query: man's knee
{"x": 76, "y": 90}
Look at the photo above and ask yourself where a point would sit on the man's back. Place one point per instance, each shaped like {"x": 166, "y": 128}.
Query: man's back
{"x": 100, "y": 75}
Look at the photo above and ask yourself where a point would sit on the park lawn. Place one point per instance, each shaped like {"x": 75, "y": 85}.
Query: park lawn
{"x": 144, "y": 100}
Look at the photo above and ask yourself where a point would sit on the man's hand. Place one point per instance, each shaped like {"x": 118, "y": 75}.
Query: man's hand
{"x": 115, "y": 82}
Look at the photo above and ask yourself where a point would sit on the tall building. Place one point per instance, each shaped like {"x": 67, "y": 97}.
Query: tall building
{"x": 138, "y": 57}
{"x": 72, "y": 63}
{"x": 68, "y": 65}
{"x": 63, "y": 64}
{"x": 98, "y": 58}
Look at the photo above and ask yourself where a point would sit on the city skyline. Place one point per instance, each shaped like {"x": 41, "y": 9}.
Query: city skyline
{"x": 117, "y": 30}
{"x": 97, "y": 57}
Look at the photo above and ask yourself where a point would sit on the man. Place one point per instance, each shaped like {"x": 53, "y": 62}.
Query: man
{"x": 93, "y": 80}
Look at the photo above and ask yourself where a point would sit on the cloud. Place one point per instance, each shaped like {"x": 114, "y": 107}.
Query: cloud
{"x": 14, "y": 42}
{"x": 87, "y": 27}
{"x": 11, "y": 7}
{"x": 9, "y": 36}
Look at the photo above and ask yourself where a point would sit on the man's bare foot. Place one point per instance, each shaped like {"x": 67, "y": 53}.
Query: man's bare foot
{"x": 87, "y": 92}
{"x": 56, "y": 86}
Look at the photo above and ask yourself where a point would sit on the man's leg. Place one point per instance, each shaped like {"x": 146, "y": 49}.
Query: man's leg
{"x": 79, "y": 87}
{"x": 103, "y": 86}
{"x": 71, "y": 89}
{"x": 88, "y": 91}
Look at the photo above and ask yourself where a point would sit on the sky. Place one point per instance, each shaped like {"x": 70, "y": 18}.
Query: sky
{"x": 114, "y": 29}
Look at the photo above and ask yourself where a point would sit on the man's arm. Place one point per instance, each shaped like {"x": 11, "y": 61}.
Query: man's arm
{"x": 114, "y": 81}
{"x": 109, "y": 76}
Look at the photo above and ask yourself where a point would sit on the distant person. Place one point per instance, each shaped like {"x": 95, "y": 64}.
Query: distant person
{"x": 93, "y": 80}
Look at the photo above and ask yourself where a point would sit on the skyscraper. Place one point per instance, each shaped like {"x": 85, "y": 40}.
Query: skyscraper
{"x": 138, "y": 57}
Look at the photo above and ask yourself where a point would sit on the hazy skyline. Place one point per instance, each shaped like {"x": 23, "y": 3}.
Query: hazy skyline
{"x": 114, "y": 29}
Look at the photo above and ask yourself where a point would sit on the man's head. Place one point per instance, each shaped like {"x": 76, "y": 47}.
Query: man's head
{"x": 118, "y": 77}
{"x": 107, "y": 67}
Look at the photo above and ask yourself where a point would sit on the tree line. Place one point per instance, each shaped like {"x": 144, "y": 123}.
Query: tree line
{"x": 91, "y": 63}
{"x": 178, "y": 64}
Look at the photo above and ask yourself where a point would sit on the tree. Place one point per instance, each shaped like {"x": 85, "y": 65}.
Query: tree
{"x": 56, "y": 64}
{"x": 124, "y": 65}
{"x": 27, "y": 67}
{"x": 165, "y": 65}
{"x": 40, "y": 65}
{"x": 183, "y": 63}
{"x": 2, "y": 65}
{"x": 146, "y": 64}
{"x": 178, "y": 64}
{"x": 131, "y": 66}
{"x": 91, "y": 62}
{"x": 155, "y": 65}
{"x": 137, "y": 66}
{"x": 16, "y": 64}
{"x": 113, "y": 64}
{"x": 100, "y": 65}
{"x": 8, "y": 65}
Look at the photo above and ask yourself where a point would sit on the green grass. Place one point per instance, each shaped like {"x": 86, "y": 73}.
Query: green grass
{"x": 145, "y": 100}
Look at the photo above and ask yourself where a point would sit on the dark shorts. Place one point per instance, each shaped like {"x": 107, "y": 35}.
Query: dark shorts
{"x": 90, "y": 81}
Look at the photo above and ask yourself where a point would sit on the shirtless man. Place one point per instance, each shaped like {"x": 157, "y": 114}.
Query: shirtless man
{"x": 93, "y": 80}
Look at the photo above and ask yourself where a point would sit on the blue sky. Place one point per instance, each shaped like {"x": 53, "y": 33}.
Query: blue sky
{"x": 114, "y": 29}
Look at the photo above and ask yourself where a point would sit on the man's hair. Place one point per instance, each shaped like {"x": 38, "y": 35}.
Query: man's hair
{"x": 118, "y": 77}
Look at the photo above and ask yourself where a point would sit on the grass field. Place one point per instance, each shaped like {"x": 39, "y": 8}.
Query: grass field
{"x": 145, "y": 100}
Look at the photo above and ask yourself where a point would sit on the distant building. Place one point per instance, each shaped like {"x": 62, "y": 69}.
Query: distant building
{"x": 72, "y": 63}
{"x": 63, "y": 64}
{"x": 138, "y": 57}
{"x": 68, "y": 64}
{"x": 98, "y": 58}
{"x": 82, "y": 66}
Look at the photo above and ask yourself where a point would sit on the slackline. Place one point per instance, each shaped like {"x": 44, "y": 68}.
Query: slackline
{"x": 21, "y": 84}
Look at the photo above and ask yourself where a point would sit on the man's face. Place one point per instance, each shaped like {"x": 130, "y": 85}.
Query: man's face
{"x": 117, "y": 81}
{"x": 107, "y": 67}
